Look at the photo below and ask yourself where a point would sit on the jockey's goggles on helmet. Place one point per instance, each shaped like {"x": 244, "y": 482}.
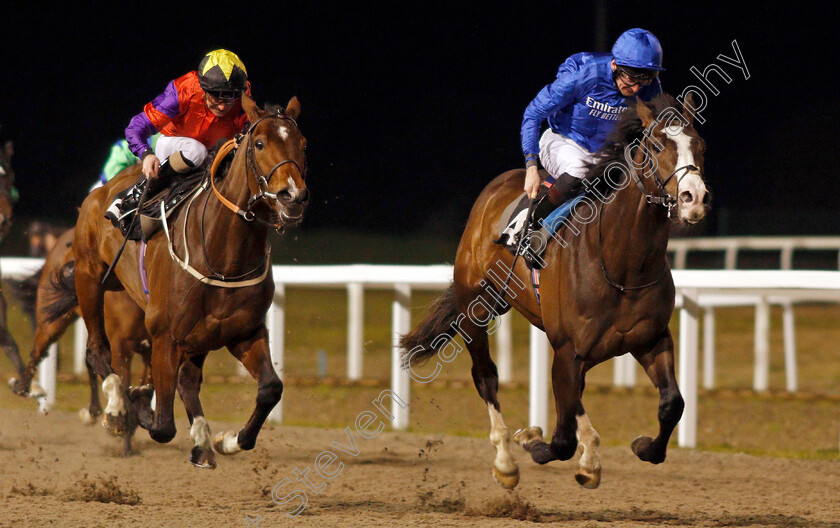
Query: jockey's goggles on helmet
{"x": 227, "y": 96}
{"x": 634, "y": 76}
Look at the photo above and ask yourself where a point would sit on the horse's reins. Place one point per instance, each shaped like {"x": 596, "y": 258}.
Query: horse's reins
{"x": 253, "y": 168}
{"x": 217, "y": 279}
{"x": 667, "y": 200}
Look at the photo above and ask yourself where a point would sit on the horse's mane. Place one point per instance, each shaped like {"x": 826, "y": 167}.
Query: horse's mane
{"x": 628, "y": 129}
{"x": 204, "y": 170}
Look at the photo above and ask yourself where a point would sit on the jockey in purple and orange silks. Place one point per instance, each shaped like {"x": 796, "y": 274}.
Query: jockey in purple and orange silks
{"x": 194, "y": 112}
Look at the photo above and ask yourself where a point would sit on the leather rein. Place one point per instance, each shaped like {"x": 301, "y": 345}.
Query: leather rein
{"x": 217, "y": 279}
{"x": 252, "y": 168}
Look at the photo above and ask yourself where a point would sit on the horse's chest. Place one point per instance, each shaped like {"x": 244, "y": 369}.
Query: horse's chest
{"x": 217, "y": 328}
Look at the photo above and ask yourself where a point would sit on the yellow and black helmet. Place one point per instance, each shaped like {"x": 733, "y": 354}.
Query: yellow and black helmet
{"x": 222, "y": 71}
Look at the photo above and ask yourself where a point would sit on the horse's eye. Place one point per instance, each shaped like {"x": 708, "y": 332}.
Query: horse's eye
{"x": 259, "y": 144}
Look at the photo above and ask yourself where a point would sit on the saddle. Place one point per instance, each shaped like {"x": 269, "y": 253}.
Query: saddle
{"x": 122, "y": 210}
{"x": 512, "y": 223}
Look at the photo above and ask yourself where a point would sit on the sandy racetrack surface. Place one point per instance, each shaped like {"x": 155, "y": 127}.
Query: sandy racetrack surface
{"x": 56, "y": 471}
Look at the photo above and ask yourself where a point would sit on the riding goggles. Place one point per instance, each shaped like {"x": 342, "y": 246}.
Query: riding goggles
{"x": 634, "y": 76}
{"x": 227, "y": 96}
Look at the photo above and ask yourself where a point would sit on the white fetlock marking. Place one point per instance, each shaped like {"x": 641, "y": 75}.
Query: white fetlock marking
{"x": 85, "y": 417}
{"x": 36, "y": 391}
{"x": 500, "y": 437}
{"x": 588, "y": 440}
{"x": 200, "y": 432}
{"x": 111, "y": 388}
{"x": 228, "y": 443}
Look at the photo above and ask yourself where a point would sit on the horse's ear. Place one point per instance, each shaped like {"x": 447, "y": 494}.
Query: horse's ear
{"x": 644, "y": 112}
{"x": 293, "y": 108}
{"x": 688, "y": 108}
{"x": 251, "y": 109}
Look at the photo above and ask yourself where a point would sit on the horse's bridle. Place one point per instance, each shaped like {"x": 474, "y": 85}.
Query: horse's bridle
{"x": 251, "y": 161}
{"x": 667, "y": 200}
{"x": 252, "y": 168}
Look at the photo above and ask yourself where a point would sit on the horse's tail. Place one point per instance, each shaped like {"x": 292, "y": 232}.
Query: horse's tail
{"x": 417, "y": 344}
{"x": 26, "y": 291}
{"x": 63, "y": 297}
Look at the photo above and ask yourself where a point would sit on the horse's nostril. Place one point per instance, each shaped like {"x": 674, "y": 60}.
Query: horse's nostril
{"x": 686, "y": 197}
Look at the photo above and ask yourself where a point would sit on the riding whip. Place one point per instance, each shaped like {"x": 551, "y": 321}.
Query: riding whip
{"x": 140, "y": 202}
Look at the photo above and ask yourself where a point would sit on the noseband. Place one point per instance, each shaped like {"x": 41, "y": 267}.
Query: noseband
{"x": 251, "y": 161}
{"x": 252, "y": 168}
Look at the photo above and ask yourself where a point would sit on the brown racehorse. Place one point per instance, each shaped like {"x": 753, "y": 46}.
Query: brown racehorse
{"x": 217, "y": 292}
{"x": 606, "y": 289}
{"x": 123, "y": 324}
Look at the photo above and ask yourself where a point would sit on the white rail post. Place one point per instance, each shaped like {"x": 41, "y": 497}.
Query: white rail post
{"x": 687, "y": 431}
{"x": 680, "y": 257}
{"x": 709, "y": 348}
{"x": 47, "y": 378}
{"x": 789, "y": 330}
{"x": 275, "y": 323}
{"x": 538, "y": 371}
{"x": 624, "y": 371}
{"x": 761, "y": 372}
{"x": 355, "y": 330}
{"x": 504, "y": 344}
{"x": 79, "y": 347}
{"x": 400, "y": 381}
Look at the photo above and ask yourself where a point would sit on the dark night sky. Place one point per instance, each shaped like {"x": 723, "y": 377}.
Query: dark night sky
{"x": 409, "y": 110}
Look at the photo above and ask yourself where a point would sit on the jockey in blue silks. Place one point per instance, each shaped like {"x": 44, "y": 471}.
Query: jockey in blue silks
{"x": 582, "y": 107}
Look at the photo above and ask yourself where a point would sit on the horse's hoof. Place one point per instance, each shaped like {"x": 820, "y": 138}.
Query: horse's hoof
{"x": 227, "y": 443}
{"x": 642, "y": 446}
{"x": 588, "y": 479}
{"x": 507, "y": 481}
{"x": 203, "y": 458}
{"x": 115, "y": 424}
{"x": 86, "y": 417}
{"x": 17, "y": 387}
{"x": 527, "y": 436}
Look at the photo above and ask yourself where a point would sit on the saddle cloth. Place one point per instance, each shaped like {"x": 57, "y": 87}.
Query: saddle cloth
{"x": 513, "y": 218}
{"x": 150, "y": 220}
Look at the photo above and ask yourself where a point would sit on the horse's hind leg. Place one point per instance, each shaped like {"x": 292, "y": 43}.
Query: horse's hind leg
{"x": 189, "y": 384}
{"x": 254, "y": 355}
{"x": 658, "y": 363}
{"x": 89, "y": 414}
{"x": 472, "y": 322}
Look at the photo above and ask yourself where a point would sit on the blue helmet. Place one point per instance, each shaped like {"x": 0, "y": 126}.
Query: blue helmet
{"x": 638, "y": 48}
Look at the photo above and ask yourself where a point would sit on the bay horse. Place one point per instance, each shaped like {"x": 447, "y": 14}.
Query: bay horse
{"x": 123, "y": 324}
{"x": 606, "y": 288}
{"x": 208, "y": 288}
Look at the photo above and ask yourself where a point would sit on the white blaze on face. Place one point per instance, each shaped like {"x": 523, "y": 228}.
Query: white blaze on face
{"x": 691, "y": 189}
{"x": 293, "y": 189}
{"x": 283, "y": 130}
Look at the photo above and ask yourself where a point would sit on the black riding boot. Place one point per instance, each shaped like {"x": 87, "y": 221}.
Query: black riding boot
{"x": 170, "y": 168}
{"x": 565, "y": 187}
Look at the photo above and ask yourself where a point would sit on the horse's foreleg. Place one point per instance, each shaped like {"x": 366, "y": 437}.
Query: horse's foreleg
{"x": 588, "y": 474}
{"x": 658, "y": 363}
{"x": 89, "y": 414}
{"x": 254, "y": 355}
{"x": 45, "y": 335}
{"x": 189, "y": 385}
{"x": 566, "y": 379}
{"x": 166, "y": 358}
